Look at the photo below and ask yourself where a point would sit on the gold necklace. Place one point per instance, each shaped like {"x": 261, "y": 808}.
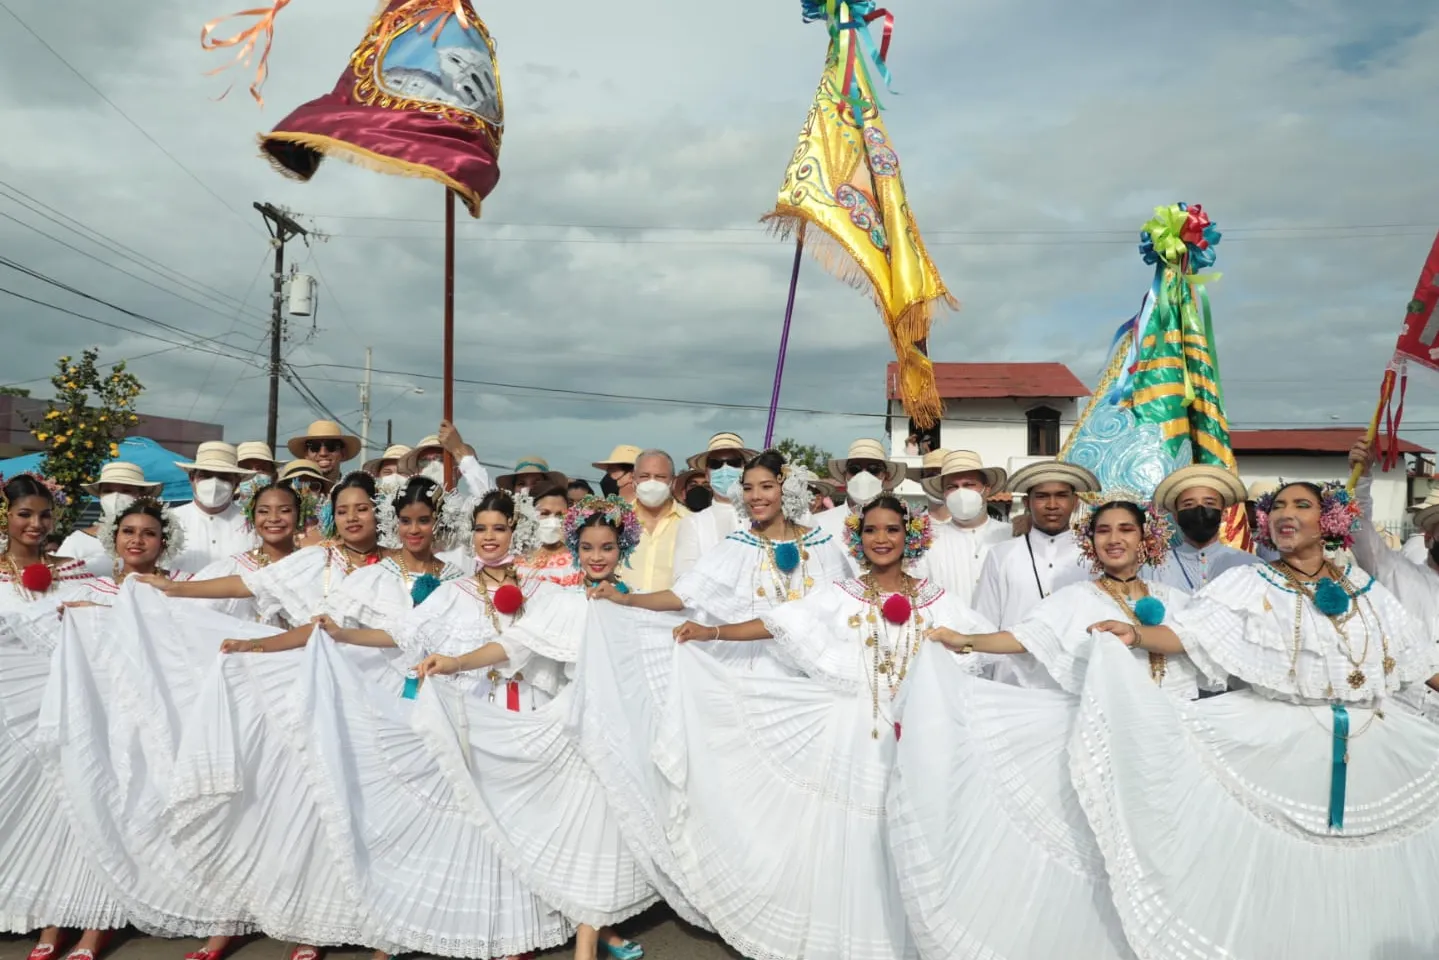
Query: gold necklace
{"x": 1158, "y": 663}
{"x": 1302, "y": 591}
{"x": 889, "y": 662}
{"x": 784, "y": 589}
{"x": 483, "y": 578}
{"x": 17, "y": 581}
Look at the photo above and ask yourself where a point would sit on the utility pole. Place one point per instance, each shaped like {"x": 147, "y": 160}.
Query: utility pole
{"x": 365, "y": 407}
{"x": 282, "y": 229}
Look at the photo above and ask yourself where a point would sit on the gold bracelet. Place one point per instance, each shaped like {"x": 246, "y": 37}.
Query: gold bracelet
{"x": 257, "y": 647}
{"x": 967, "y": 648}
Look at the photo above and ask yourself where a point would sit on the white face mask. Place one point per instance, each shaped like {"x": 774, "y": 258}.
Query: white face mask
{"x": 113, "y": 504}
{"x": 551, "y": 530}
{"x": 434, "y": 470}
{"x": 965, "y": 504}
{"x": 652, "y": 493}
{"x": 863, "y": 488}
{"x": 212, "y": 493}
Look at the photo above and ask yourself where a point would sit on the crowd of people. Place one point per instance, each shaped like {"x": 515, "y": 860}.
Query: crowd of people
{"x": 367, "y": 708}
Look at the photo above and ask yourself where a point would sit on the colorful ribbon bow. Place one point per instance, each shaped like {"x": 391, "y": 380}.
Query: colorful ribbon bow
{"x": 862, "y": 13}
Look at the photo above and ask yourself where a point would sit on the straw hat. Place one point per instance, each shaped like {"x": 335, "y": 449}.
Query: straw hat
{"x": 624, "y": 455}
{"x": 254, "y": 450}
{"x": 1230, "y": 487}
{"x": 894, "y": 471}
{"x": 123, "y": 474}
{"x": 1428, "y": 514}
{"x": 304, "y": 468}
{"x": 683, "y": 481}
{"x": 409, "y": 462}
{"x": 823, "y": 488}
{"x": 1259, "y": 488}
{"x": 1053, "y": 471}
{"x": 721, "y": 442}
{"x": 325, "y": 430}
{"x": 963, "y": 461}
{"x": 1431, "y": 500}
{"x": 394, "y": 452}
{"x": 532, "y": 467}
{"x": 215, "y": 456}
{"x": 934, "y": 460}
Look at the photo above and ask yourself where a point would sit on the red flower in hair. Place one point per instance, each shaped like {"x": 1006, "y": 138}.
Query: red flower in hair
{"x": 36, "y": 578}
{"x": 897, "y": 608}
{"x": 509, "y": 599}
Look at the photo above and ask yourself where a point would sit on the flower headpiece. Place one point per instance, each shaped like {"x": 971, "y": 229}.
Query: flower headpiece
{"x": 451, "y": 529}
{"x": 248, "y": 493}
{"x": 1154, "y": 541}
{"x": 614, "y": 512}
{"x": 57, "y": 494}
{"x": 795, "y": 497}
{"x": 1338, "y": 515}
{"x": 918, "y": 535}
{"x": 172, "y": 534}
{"x": 526, "y": 537}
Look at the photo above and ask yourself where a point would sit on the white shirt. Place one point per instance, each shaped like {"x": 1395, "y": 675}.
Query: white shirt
{"x": 701, "y": 532}
{"x": 1414, "y": 550}
{"x": 1011, "y": 582}
{"x": 82, "y": 546}
{"x": 1189, "y": 567}
{"x": 831, "y": 521}
{"x": 474, "y": 476}
{"x": 211, "y": 536}
{"x": 957, "y": 555}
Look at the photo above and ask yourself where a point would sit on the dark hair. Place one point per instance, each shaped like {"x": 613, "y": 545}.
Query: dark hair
{"x": 25, "y": 485}
{"x": 418, "y": 490}
{"x": 496, "y": 501}
{"x": 598, "y": 519}
{"x": 888, "y": 501}
{"x": 284, "y": 486}
{"x": 771, "y": 460}
{"x": 1134, "y": 510}
{"x": 549, "y": 490}
{"x": 144, "y": 506}
{"x": 581, "y": 485}
{"x": 1313, "y": 488}
{"x": 356, "y": 480}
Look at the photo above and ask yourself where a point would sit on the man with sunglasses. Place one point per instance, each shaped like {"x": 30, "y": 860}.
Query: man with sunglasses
{"x": 865, "y": 473}
{"x": 723, "y": 461}
{"x": 327, "y": 446}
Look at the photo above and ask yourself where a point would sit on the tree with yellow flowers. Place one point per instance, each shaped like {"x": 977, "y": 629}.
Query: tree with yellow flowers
{"x": 83, "y": 426}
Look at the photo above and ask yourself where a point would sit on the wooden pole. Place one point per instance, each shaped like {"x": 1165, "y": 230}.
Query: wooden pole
{"x": 1386, "y": 390}
{"x": 449, "y": 367}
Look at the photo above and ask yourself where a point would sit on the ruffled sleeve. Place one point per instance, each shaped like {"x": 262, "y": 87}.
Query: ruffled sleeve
{"x": 1054, "y": 635}
{"x": 293, "y": 588}
{"x": 815, "y": 635}
{"x": 373, "y": 597}
{"x": 451, "y": 622}
{"x": 722, "y": 584}
{"x": 552, "y": 626}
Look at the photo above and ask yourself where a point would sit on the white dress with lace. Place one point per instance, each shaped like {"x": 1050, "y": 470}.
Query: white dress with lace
{"x": 622, "y": 686}
{"x": 47, "y": 877}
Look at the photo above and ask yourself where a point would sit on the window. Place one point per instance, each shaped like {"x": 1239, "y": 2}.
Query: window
{"x": 1043, "y": 432}
{"x": 928, "y": 440}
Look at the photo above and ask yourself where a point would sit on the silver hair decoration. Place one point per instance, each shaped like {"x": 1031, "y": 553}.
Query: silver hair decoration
{"x": 794, "y": 494}
{"x": 452, "y": 525}
{"x": 526, "y": 536}
{"x": 172, "y": 535}
{"x": 387, "y": 521}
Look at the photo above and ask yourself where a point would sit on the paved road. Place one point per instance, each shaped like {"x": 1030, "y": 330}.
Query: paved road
{"x": 664, "y": 938}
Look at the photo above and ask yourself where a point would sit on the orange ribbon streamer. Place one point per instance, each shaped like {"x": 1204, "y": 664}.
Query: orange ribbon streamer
{"x": 246, "y": 40}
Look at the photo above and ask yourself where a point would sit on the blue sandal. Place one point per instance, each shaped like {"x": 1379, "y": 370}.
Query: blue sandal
{"x": 625, "y": 950}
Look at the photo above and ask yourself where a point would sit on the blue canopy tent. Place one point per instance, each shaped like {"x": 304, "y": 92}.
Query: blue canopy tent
{"x": 157, "y": 462}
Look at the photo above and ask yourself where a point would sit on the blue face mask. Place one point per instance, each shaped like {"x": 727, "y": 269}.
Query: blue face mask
{"x": 723, "y": 479}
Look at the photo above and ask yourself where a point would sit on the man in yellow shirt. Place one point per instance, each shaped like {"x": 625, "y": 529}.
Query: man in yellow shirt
{"x": 652, "y": 565}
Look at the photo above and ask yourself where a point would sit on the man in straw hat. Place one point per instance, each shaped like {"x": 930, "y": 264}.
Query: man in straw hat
{"x": 929, "y": 468}
{"x": 531, "y": 473}
{"x": 723, "y": 460}
{"x": 305, "y": 474}
{"x": 326, "y": 444}
{"x": 1416, "y": 585}
{"x": 865, "y": 473}
{"x": 214, "y": 524}
{"x": 425, "y": 459}
{"x": 118, "y": 485}
{"x": 618, "y": 471}
{"x": 1416, "y": 547}
{"x": 386, "y": 464}
{"x": 1197, "y": 496}
{"x": 255, "y": 456}
{"x": 962, "y": 485}
{"x": 1023, "y": 570}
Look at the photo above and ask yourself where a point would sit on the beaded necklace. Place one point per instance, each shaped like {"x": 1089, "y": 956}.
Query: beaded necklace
{"x": 1302, "y": 591}
{"x": 1158, "y": 664}
{"x": 782, "y": 581}
{"x": 889, "y": 662}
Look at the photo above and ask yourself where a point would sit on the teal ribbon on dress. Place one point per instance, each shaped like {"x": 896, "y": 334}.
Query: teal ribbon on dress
{"x": 1339, "y": 771}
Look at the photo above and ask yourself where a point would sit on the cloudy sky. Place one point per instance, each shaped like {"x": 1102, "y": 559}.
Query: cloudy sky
{"x": 620, "y": 254}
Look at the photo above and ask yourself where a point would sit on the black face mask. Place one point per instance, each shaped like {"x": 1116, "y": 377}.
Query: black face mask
{"x": 1200, "y": 524}
{"x": 1434, "y": 551}
{"x": 698, "y": 499}
{"x": 609, "y": 486}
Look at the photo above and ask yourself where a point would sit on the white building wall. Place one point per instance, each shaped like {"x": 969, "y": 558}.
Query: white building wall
{"x": 1390, "y": 490}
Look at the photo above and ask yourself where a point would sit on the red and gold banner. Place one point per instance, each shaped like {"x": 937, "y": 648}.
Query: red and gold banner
{"x": 1419, "y": 337}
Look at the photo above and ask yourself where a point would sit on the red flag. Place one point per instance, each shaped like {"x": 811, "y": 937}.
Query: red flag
{"x": 1419, "y": 339}
{"x": 420, "y": 97}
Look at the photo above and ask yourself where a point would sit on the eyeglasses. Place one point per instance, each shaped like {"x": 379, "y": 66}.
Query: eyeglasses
{"x": 715, "y": 463}
{"x": 326, "y": 446}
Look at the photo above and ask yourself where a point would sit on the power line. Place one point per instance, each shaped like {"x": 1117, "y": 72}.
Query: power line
{"x": 116, "y": 107}
{"x": 124, "y": 250}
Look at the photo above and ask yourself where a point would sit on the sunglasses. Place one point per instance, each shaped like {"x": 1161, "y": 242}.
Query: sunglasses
{"x": 326, "y": 446}
{"x": 715, "y": 463}
{"x": 855, "y": 469}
